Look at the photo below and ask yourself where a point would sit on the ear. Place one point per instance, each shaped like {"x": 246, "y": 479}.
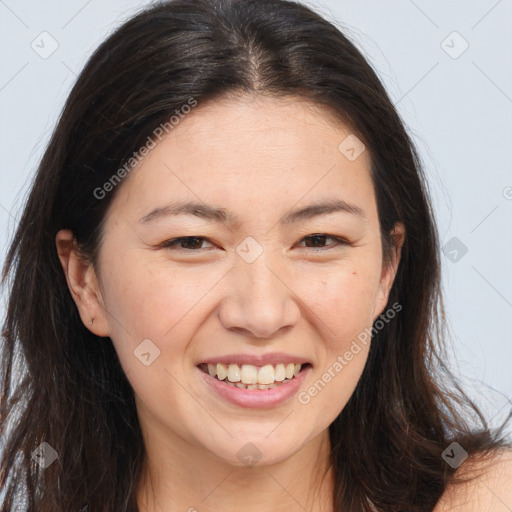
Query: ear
{"x": 389, "y": 270}
{"x": 82, "y": 283}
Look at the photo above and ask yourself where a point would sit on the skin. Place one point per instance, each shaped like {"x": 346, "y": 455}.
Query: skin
{"x": 488, "y": 488}
{"x": 259, "y": 159}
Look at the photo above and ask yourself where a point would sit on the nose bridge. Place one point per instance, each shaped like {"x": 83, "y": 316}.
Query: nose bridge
{"x": 255, "y": 265}
{"x": 258, "y": 299}
{"x": 260, "y": 279}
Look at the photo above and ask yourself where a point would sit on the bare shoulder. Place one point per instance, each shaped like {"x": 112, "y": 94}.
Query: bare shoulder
{"x": 490, "y": 487}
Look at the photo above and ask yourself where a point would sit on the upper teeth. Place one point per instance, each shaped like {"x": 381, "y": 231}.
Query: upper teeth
{"x": 250, "y": 374}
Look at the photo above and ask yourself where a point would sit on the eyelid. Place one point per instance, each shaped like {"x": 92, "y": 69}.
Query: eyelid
{"x": 169, "y": 243}
{"x": 338, "y": 241}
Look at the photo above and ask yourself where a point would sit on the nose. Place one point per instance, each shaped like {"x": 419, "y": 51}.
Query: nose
{"x": 260, "y": 301}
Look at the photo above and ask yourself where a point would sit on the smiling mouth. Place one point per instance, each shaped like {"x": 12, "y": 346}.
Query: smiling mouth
{"x": 248, "y": 376}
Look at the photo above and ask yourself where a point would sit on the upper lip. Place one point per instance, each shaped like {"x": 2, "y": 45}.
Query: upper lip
{"x": 272, "y": 358}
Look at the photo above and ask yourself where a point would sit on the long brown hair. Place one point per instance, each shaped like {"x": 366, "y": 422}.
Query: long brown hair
{"x": 71, "y": 391}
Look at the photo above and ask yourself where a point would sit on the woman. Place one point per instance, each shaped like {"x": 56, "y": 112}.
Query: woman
{"x": 226, "y": 285}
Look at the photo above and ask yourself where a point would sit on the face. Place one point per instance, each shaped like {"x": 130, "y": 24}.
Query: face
{"x": 257, "y": 274}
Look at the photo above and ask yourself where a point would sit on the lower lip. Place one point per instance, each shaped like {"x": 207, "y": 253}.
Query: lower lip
{"x": 256, "y": 398}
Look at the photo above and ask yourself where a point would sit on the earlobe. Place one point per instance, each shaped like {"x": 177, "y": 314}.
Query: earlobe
{"x": 82, "y": 283}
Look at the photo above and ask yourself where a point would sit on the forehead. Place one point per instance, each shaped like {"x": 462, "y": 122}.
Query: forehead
{"x": 260, "y": 154}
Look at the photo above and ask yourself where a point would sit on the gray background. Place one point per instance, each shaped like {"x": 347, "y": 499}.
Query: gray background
{"x": 457, "y": 106}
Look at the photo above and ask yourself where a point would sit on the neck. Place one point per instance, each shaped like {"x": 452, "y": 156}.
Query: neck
{"x": 183, "y": 477}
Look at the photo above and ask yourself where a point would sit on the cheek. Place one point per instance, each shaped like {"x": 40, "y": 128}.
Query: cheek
{"x": 150, "y": 299}
{"x": 151, "y": 302}
{"x": 342, "y": 300}
{"x": 341, "y": 311}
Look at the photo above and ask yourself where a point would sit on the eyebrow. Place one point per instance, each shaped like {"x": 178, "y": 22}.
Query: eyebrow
{"x": 221, "y": 215}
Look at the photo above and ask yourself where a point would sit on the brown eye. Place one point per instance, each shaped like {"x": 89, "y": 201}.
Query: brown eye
{"x": 317, "y": 241}
{"x": 185, "y": 243}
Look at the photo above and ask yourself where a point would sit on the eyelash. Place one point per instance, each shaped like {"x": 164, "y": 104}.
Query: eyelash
{"x": 168, "y": 244}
